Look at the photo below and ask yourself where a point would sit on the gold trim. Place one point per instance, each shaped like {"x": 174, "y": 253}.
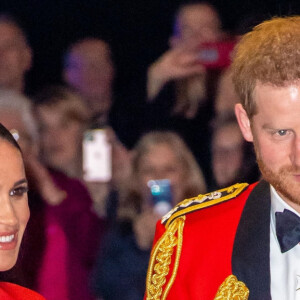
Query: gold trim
{"x": 160, "y": 261}
{"x": 232, "y": 289}
{"x": 204, "y": 201}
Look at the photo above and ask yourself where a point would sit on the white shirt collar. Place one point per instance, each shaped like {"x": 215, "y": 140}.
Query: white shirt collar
{"x": 284, "y": 267}
{"x": 278, "y": 204}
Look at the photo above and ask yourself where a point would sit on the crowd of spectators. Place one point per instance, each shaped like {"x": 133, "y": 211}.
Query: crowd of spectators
{"x": 92, "y": 239}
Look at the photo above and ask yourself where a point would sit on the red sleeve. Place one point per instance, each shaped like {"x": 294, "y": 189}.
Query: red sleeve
{"x": 15, "y": 292}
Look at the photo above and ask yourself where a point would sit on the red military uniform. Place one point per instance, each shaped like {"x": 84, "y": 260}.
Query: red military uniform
{"x": 204, "y": 240}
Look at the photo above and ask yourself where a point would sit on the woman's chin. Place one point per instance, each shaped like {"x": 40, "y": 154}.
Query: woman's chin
{"x": 6, "y": 267}
{"x": 7, "y": 262}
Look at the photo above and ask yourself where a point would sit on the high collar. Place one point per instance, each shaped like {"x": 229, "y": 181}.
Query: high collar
{"x": 251, "y": 250}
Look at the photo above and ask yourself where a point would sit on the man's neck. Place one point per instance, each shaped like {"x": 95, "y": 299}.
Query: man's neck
{"x": 292, "y": 204}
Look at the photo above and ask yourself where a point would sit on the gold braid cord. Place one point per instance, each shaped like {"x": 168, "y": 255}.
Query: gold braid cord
{"x": 160, "y": 261}
{"x": 232, "y": 289}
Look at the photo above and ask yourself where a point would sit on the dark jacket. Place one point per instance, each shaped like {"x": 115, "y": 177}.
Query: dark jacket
{"x": 121, "y": 267}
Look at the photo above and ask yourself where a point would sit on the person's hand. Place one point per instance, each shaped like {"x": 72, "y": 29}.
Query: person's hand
{"x": 121, "y": 162}
{"x": 176, "y": 63}
{"x": 50, "y": 193}
{"x": 144, "y": 229}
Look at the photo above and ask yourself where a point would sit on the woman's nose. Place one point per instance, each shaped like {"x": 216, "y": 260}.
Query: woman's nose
{"x": 7, "y": 212}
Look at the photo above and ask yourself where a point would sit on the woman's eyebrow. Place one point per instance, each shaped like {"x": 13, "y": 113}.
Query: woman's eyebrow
{"x": 21, "y": 182}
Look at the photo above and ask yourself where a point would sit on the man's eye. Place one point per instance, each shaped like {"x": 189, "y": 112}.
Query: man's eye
{"x": 19, "y": 191}
{"x": 282, "y": 132}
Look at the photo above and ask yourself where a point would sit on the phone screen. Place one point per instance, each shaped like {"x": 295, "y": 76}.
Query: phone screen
{"x": 216, "y": 55}
{"x": 161, "y": 194}
{"x": 96, "y": 160}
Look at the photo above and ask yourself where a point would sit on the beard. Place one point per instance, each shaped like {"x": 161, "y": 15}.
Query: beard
{"x": 281, "y": 180}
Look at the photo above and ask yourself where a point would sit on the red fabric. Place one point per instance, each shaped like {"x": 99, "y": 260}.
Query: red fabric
{"x": 208, "y": 239}
{"x": 10, "y": 291}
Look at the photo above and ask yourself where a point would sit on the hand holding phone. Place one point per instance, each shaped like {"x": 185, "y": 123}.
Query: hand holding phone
{"x": 97, "y": 156}
{"x": 216, "y": 55}
{"x": 161, "y": 195}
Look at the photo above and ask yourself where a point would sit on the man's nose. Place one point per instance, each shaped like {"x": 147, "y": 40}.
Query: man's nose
{"x": 295, "y": 153}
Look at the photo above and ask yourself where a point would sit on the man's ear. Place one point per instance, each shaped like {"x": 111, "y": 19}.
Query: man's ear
{"x": 244, "y": 122}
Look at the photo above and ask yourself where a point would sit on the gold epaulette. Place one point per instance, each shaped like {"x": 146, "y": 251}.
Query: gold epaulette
{"x": 231, "y": 288}
{"x": 203, "y": 201}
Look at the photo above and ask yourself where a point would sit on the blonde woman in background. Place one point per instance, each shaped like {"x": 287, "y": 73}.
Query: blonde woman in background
{"x": 62, "y": 117}
{"x": 122, "y": 263}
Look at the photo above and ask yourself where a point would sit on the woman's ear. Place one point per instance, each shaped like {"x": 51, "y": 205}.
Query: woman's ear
{"x": 244, "y": 122}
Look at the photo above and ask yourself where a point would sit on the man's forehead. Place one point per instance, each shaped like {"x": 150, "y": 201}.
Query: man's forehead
{"x": 262, "y": 88}
{"x": 89, "y": 52}
{"x": 91, "y": 46}
{"x": 283, "y": 100}
{"x": 195, "y": 10}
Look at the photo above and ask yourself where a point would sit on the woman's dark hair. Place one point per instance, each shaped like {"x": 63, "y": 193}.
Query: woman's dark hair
{"x": 7, "y": 136}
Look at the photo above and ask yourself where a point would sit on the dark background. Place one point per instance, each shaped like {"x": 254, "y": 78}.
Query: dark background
{"x": 137, "y": 30}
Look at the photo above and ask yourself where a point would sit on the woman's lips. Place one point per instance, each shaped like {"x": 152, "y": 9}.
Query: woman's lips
{"x": 8, "y": 241}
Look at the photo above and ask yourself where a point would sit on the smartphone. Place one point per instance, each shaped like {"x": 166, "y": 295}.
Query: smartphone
{"x": 161, "y": 194}
{"x": 216, "y": 55}
{"x": 97, "y": 156}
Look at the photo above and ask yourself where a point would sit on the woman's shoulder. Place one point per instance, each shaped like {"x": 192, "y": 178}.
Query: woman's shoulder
{"x": 17, "y": 292}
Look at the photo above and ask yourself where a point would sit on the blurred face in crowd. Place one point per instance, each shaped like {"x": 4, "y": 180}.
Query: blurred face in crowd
{"x": 90, "y": 71}
{"x": 15, "y": 57}
{"x": 14, "y": 210}
{"x": 226, "y": 96}
{"x": 160, "y": 162}
{"x": 275, "y": 132}
{"x": 197, "y": 23}
{"x": 60, "y": 137}
{"x": 227, "y": 154}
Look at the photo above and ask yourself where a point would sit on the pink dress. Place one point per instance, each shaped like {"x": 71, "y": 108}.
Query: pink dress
{"x": 55, "y": 258}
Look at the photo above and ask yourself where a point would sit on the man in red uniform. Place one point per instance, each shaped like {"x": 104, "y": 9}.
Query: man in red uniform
{"x": 242, "y": 242}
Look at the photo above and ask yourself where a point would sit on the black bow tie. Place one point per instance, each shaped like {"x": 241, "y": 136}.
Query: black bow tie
{"x": 287, "y": 229}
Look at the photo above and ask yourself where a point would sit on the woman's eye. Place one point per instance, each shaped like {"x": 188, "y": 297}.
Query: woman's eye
{"x": 19, "y": 191}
